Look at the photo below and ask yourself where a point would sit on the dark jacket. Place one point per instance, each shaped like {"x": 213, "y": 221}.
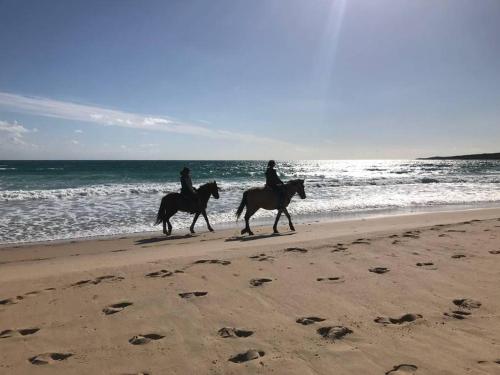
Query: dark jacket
{"x": 272, "y": 179}
{"x": 187, "y": 185}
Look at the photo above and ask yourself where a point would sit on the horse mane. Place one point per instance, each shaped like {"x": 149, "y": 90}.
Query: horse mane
{"x": 297, "y": 181}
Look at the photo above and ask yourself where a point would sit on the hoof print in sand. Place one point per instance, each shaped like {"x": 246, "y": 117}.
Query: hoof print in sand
{"x": 467, "y": 303}
{"x": 18, "y": 332}
{"x": 249, "y": 355}
{"x": 458, "y": 314}
{"x": 262, "y": 257}
{"x": 424, "y": 264}
{"x": 160, "y": 273}
{"x": 227, "y": 332}
{"x": 402, "y": 370}
{"x": 334, "y": 279}
{"x": 144, "y": 339}
{"x": 259, "y": 282}
{"x": 192, "y": 294}
{"x": 296, "y": 250}
{"x": 213, "y": 261}
{"x": 334, "y": 332}
{"x": 379, "y": 270}
{"x": 46, "y": 358}
{"x": 117, "y": 307}
{"x": 458, "y": 256}
{"x": 407, "y": 318}
{"x": 308, "y": 320}
{"x": 494, "y": 251}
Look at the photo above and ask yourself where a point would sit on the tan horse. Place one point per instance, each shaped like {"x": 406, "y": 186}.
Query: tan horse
{"x": 266, "y": 198}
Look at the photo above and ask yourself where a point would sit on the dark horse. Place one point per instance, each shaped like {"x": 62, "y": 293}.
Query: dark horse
{"x": 173, "y": 202}
{"x": 267, "y": 199}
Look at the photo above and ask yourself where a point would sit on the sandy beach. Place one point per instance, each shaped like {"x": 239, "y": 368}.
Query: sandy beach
{"x": 412, "y": 294}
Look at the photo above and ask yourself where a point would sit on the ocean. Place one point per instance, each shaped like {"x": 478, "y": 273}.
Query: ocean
{"x": 54, "y": 200}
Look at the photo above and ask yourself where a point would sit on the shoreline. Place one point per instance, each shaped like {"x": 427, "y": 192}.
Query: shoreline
{"x": 259, "y": 223}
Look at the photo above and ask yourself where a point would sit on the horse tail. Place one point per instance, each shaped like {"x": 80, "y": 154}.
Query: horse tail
{"x": 161, "y": 211}
{"x": 242, "y": 205}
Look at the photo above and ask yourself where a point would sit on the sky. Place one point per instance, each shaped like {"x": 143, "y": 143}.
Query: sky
{"x": 234, "y": 79}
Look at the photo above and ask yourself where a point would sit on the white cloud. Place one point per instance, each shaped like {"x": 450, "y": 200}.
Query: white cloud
{"x": 78, "y": 131}
{"x": 12, "y": 133}
{"x": 110, "y": 117}
{"x": 75, "y": 142}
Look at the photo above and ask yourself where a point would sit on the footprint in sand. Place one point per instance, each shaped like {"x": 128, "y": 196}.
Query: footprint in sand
{"x": 227, "y": 332}
{"x": 467, "y": 303}
{"x": 455, "y": 231}
{"x": 98, "y": 280}
{"x": 47, "y": 358}
{"x": 138, "y": 373}
{"x": 426, "y": 265}
{"x": 296, "y": 250}
{"x": 213, "y": 261}
{"x": 8, "y": 301}
{"x": 334, "y": 333}
{"x": 262, "y": 257}
{"x": 160, "y": 273}
{"x": 412, "y": 234}
{"x": 259, "y": 282}
{"x": 494, "y": 251}
{"x": 458, "y": 256}
{"x": 117, "y": 307}
{"x": 379, "y": 270}
{"x": 18, "y": 332}
{"x": 457, "y": 314}
{"x": 249, "y": 355}
{"x": 308, "y": 320}
{"x": 144, "y": 339}
{"x": 361, "y": 241}
{"x": 335, "y": 279}
{"x": 192, "y": 294}
{"x": 402, "y": 369}
{"x": 407, "y": 318}
{"x": 339, "y": 247}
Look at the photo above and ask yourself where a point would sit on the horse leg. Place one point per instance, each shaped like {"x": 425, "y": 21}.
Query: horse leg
{"x": 290, "y": 224}
{"x": 275, "y": 226}
{"x": 191, "y": 228}
{"x": 164, "y": 226}
{"x": 167, "y": 219}
{"x": 248, "y": 215}
{"x": 204, "y": 213}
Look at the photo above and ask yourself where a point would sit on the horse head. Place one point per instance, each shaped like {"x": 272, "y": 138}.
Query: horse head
{"x": 299, "y": 186}
{"x": 214, "y": 189}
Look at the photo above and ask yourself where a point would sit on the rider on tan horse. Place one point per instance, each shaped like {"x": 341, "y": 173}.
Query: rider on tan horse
{"x": 265, "y": 197}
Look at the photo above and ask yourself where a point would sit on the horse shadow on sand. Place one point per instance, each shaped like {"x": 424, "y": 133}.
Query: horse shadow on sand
{"x": 257, "y": 237}
{"x": 144, "y": 241}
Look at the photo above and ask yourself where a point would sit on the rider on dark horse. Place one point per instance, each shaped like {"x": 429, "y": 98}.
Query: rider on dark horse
{"x": 188, "y": 191}
{"x": 275, "y": 183}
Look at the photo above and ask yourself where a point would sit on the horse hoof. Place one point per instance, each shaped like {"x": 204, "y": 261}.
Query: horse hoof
{"x": 292, "y": 229}
{"x": 211, "y": 229}
{"x": 243, "y": 231}
{"x": 250, "y": 233}
{"x": 276, "y": 231}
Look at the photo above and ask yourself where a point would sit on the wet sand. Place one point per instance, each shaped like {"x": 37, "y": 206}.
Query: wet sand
{"x": 413, "y": 294}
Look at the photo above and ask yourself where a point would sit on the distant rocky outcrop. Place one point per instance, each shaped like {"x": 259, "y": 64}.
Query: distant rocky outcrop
{"x": 492, "y": 156}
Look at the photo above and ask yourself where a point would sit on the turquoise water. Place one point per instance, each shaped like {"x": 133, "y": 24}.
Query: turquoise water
{"x": 47, "y": 200}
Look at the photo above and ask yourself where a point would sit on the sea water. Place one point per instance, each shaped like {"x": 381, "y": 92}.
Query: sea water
{"x": 49, "y": 200}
